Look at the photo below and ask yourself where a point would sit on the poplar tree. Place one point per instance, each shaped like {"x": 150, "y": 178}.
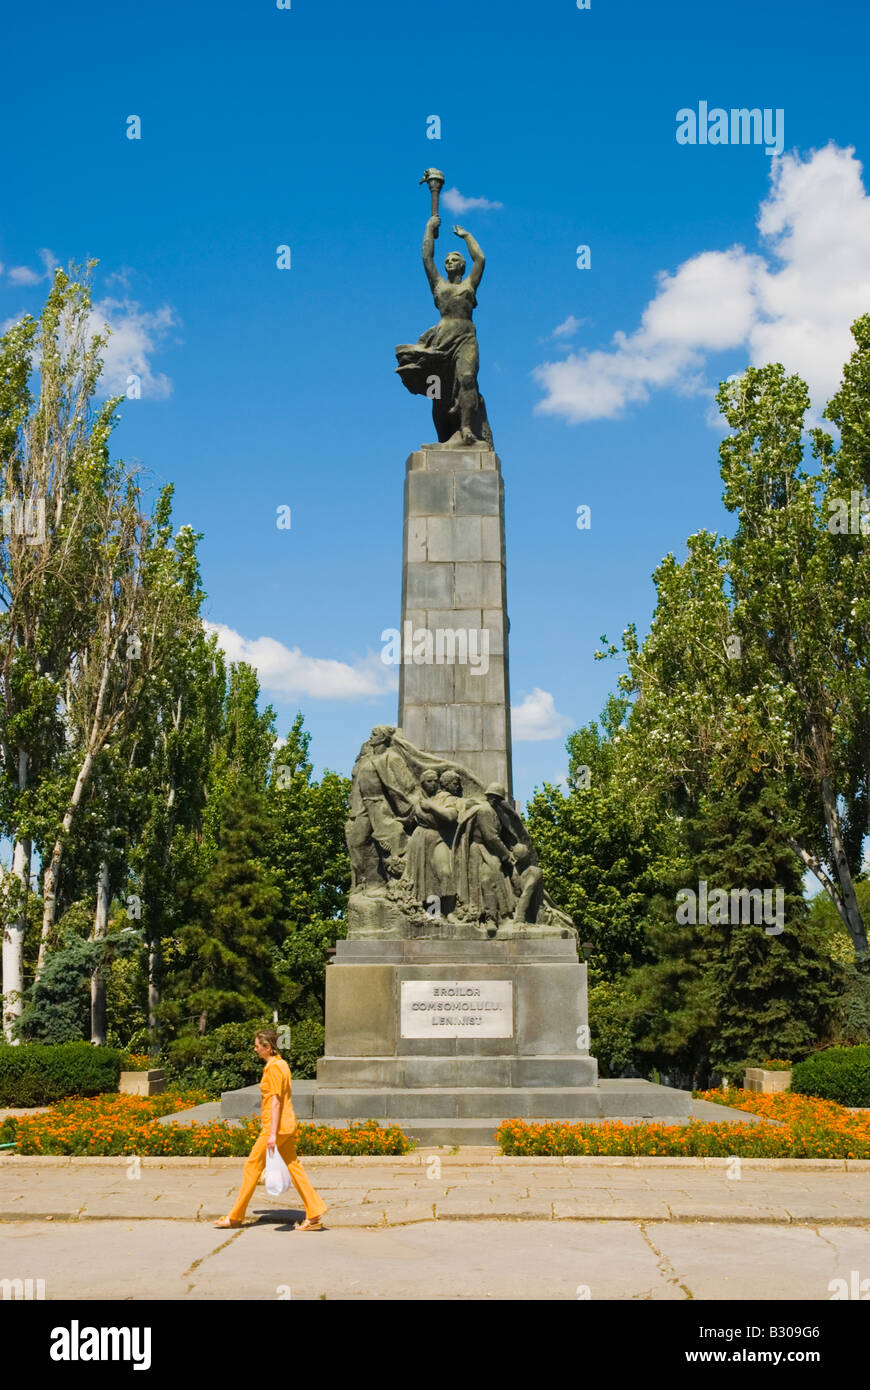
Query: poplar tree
{"x": 758, "y": 659}
{"x": 55, "y": 460}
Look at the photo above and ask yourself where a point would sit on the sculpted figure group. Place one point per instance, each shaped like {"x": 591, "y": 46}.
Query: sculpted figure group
{"x": 429, "y": 843}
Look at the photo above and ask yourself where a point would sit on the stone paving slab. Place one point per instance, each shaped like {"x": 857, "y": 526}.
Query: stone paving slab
{"x": 385, "y": 1190}
{"x": 447, "y": 1260}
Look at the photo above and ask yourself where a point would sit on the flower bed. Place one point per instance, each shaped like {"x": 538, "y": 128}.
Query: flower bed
{"x": 808, "y": 1128}
{"x": 118, "y": 1125}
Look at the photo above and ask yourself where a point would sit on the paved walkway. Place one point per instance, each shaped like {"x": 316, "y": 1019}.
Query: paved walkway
{"x": 441, "y": 1224}
{"x": 446, "y": 1260}
{"x": 441, "y": 1185}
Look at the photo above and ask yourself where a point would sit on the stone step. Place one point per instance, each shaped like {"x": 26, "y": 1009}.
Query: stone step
{"x": 420, "y": 1072}
{"x": 462, "y": 1133}
{"x": 479, "y": 1134}
{"x": 312, "y": 1100}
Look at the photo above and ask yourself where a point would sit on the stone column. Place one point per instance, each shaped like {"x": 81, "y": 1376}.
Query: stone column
{"x": 453, "y": 578}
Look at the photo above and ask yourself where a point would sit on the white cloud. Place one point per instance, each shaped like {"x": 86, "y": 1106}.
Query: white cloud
{"x": 287, "y": 671}
{"x": 455, "y": 201}
{"x": 120, "y": 277}
{"x": 23, "y": 275}
{"x": 791, "y": 302}
{"x": 537, "y": 718}
{"x": 568, "y": 327}
{"x": 136, "y": 335}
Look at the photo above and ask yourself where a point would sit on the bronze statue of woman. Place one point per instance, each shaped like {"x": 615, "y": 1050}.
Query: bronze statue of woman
{"x": 443, "y": 364}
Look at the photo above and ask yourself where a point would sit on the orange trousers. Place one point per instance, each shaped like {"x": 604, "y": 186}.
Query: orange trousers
{"x": 256, "y": 1163}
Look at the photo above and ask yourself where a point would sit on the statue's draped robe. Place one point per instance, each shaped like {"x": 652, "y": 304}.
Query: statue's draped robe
{"x": 478, "y": 854}
{"x": 435, "y": 356}
{"x": 429, "y": 863}
{"x": 381, "y": 801}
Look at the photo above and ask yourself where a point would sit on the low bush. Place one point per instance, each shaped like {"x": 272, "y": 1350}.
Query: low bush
{"x": 39, "y": 1073}
{"x": 306, "y": 1045}
{"x": 839, "y": 1073}
{"x": 225, "y": 1060}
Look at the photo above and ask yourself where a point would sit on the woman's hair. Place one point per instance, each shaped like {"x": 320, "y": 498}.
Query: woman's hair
{"x": 268, "y": 1037}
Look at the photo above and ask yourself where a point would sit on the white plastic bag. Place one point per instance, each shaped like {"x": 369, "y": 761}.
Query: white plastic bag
{"x": 277, "y": 1173}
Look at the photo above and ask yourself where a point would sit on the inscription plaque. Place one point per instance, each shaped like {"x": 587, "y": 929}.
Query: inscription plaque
{"x": 457, "y": 1009}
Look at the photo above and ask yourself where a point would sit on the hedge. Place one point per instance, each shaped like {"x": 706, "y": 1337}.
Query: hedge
{"x": 225, "y": 1060}
{"x": 40, "y": 1073}
{"x": 839, "y": 1073}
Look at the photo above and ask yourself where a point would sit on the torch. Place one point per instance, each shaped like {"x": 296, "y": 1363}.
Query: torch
{"x": 435, "y": 180}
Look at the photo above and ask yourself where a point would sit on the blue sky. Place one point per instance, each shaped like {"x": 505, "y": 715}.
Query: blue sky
{"x": 261, "y": 387}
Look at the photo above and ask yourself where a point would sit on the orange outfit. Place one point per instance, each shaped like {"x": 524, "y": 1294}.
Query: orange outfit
{"x": 276, "y": 1082}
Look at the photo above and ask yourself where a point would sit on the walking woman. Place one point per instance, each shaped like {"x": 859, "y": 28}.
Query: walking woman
{"x": 279, "y": 1129}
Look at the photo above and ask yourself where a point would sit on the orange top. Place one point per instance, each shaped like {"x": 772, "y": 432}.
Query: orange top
{"x": 276, "y": 1082}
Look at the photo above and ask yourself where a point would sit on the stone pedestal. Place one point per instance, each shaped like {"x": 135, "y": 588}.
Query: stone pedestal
{"x": 453, "y": 1082}
{"x": 453, "y": 579}
{"x": 446, "y": 1014}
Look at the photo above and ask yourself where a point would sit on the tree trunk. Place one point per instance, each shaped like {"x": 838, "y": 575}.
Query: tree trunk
{"x": 52, "y": 872}
{"x": 98, "y": 983}
{"x": 153, "y": 996}
{"x": 13, "y": 945}
{"x": 851, "y": 912}
{"x": 13, "y": 932}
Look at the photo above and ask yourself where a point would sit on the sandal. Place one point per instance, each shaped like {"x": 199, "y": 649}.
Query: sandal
{"x": 225, "y": 1224}
{"x": 309, "y": 1225}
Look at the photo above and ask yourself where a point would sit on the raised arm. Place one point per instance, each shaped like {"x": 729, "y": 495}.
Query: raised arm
{"x": 475, "y": 275}
{"x": 429, "y": 252}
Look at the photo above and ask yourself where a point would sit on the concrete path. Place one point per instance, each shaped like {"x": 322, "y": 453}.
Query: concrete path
{"x": 442, "y": 1225}
{"x": 440, "y": 1185}
{"x": 455, "y": 1260}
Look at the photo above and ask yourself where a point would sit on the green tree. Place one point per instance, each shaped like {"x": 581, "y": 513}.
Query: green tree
{"x": 757, "y": 660}
{"x": 242, "y": 750}
{"x": 57, "y": 1009}
{"x": 55, "y": 464}
{"x": 598, "y": 852}
{"x": 223, "y": 972}
{"x": 307, "y": 851}
{"x": 167, "y": 759}
{"x": 718, "y": 993}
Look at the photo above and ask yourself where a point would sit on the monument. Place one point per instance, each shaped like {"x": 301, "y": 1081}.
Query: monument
{"x": 459, "y": 997}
